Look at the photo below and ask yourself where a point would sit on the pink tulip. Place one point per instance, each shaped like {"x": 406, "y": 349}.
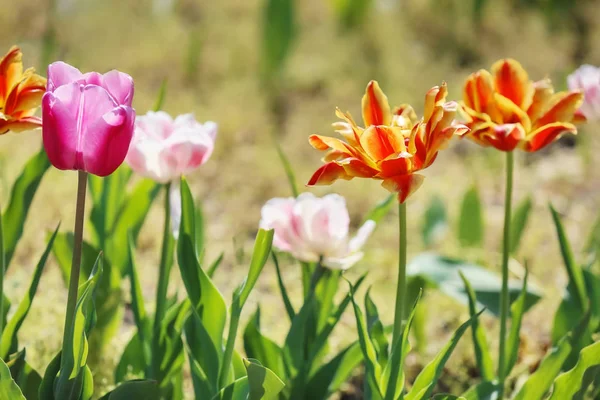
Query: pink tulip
{"x": 312, "y": 228}
{"x": 87, "y": 119}
{"x": 587, "y": 79}
{"x": 163, "y": 149}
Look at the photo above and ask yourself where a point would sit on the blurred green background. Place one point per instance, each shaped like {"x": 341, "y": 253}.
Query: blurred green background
{"x": 262, "y": 70}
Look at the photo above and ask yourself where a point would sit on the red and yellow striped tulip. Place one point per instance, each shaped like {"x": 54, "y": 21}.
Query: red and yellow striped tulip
{"x": 20, "y": 94}
{"x": 392, "y": 146}
{"x": 506, "y": 110}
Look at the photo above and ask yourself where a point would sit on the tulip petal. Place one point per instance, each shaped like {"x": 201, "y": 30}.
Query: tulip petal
{"x": 11, "y": 69}
{"x": 545, "y": 135}
{"x": 120, "y": 86}
{"x": 175, "y": 207}
{"x": 325, "y": 142}
{"x": 562, "y": 109}
{"x": 510, "y": 113}
{"x": 478, "y": 91}
{"x": 361, "y": 237}
{"x": 404, "y": 185}
{"x": 59, "y": 130}
{"x": 434, "y": 97}
{"x": 342, "y": 263}
{"x": 355, "y": 167}
{"x": 375, "y": 106}
{"x": 512, "y": 82}
{"x": 506, "y": 137}
{"x": 60, "y": 73}
{"x": 397, "y": 164}
{"x": 379, "y": 142}
{"x": 20, "y": 125}
{"x": 327, "y": 174}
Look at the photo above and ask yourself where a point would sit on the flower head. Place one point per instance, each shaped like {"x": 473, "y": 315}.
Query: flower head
{"x": 506, "y": 110}
{"x": 587, "y": 79}
{"x": 88, "y": 119}
{"x": 313, "y": 229}
{"x": 20, "y": 94}
{"x": 163, "y": 149}
{"x": 392, "y": 146}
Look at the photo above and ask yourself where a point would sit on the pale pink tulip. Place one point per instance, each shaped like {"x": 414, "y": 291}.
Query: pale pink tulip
{"x": 164, "y": 149}
{"x": 87, "y": 119}
{"x": 312, "y": 229}
{"x": 587, "y": 79}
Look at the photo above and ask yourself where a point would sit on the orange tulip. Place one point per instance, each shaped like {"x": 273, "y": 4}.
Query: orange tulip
{"x": 506, "y": 110}
{"x": 393, "y": 146}
{"x": 20, "y": 94}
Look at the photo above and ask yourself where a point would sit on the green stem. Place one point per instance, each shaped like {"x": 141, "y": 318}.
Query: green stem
{"x": 504, "y": 297}
{"x": 76, "y": 261}
{"x": 2, "y": 271}
{"x": 228, "y": 355}
{"x": 164, "y": 271}
{"x": 401, "y": 288}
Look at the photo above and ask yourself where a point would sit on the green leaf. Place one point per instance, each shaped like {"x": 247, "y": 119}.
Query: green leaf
{"x": 373, "y": 369}
{"x": 447, "y": 397}
{"x": 351, "y": 13}
{"x": 129, "y": 221}
{"x": 171, "y": 350}
{"x": 8, "y": 341}
{"x": 215, "y": 265}
{"x": 482, "y": 352}
{"x": 261, "y": 347}
{"x": 263, "y": 383}
{"x": 381, "y": 209}
{"x": 376, "y": 330}
{"x": 435, "y": 221}
{"x": 336, "y": 372}
{"x": 427, "y": 378}
{"x": 470, "y": 228}
{"x": 205, "y": 357}
{"x": 260, "y": 254}
{"x": 287, "y": 167}
{"x": 21, "y": 196}
{"x": 574, "y": 383}
{"x": 519, "y": 221}
{"x": 160, "y": 98}
{"x": 46, "y": 391}
{"x": 443, "y": 273}
{"x": 284, "y": 293}
{"x": 132, "y": 360}
{"x": 69, "y": 383}
{"x": 486, "y": 390}
{"x": 134, "y": 390}
{"x": 26, "y": 377}
{"x": 204, "y": 296}
{"x": 8, "y": 387}
{"x": 87, "y": 389}
{"x": 576, "y": 287}
{"x": 237, "y": 390}
{"x": 278, "y": 33}
{"x": 517, "y": 309}
{"x": 296, "y": 341}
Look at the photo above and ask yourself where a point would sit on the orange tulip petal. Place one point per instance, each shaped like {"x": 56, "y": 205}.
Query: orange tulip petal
{"x": 375, "y": 106}
{"x": 379, "y": 142}
{"x": 506, "y": 137}
{"x": 433, "y": 98}
{"x": 511, "y": 113}
{"x": 564, "y": 106}
{"x": 404, "y": 185}
{"x": 399, "y": 164}
{"x": 543, "y": 92}
{"x": 325, "y": 142}
{"x": 478, "y": 91}
{"x": 11, "y": 70}
{"x": 512, "y": 82}
{"x": 357, "y": 168}
{"x": 545, "y": 135}
{"x": 327, "y": 174}
{"x": 20, "y": 125}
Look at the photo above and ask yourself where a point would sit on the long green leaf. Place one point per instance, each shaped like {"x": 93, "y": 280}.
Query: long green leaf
{"x": 263, "y": 383}
{"x": 470, "y": 228}
{"x": 577, "y": 288}
{"x": 517, "y": 309}
{"x": 573, "y": 383}
{"x": 427, "y": 378}
{"x": 381, "y": 209}
{"x": 261, "y": 347}
{"x": 8, "y": 341}
{"x": 486, "y": 390}
{"x": 26, "y": 377}
{"x": 482, "y": 352}
{"x": 278, "y": 33}
{"x": 21, "y": 196}
{"x": 132, "y": 361}
{"x": 260, "y": 254}
{"x": 134, "y": 390}
{"x": 8, "y": 387}
{"x": 160, "y": 98}
{"x": 334, "y": 373}
{"x": 519, "y": 221}
{"x": 282, "y": 289}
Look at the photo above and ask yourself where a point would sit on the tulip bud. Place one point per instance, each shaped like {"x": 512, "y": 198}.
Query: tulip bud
{"x": 87, "y": 119}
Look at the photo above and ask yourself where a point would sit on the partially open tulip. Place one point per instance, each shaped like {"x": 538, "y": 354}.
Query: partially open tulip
{"x": 587, "y": 79}
{"x": 392, "y": 146}
{"x": 506, "y": 110}
{"x": 312, "y": 229}
{"x": 164, "y": 149}
{"x": 20, "y": 94}
{"x": 88, "y": 120}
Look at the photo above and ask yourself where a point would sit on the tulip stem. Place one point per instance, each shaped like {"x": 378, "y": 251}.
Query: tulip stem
{"x": 76, "y": 261}
{"x": 504, "y": 298}
{"x": 401, "y": 289}
{"x": 164, "y": 271}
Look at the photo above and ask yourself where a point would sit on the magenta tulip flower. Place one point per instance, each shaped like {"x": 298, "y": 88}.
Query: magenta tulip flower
{"x": 87, "y": 119}
{"x": 587, "y": 79}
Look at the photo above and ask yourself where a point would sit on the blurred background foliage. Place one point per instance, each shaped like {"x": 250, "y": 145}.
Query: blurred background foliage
{"x": 268, "y": 70}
